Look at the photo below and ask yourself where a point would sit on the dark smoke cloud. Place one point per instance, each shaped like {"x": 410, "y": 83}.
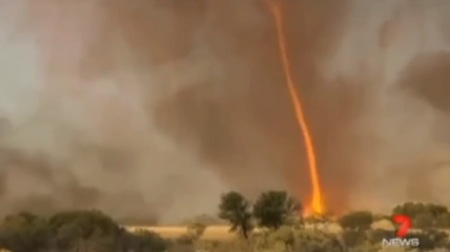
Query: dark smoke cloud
{"x": 151, "y": 109}
{"x": 428, "y": 77}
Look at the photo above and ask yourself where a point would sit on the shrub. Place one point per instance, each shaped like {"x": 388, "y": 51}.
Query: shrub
{"x": 361, "y": 220}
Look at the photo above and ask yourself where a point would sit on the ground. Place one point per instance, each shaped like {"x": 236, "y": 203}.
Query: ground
{"x": 221, "y": 232}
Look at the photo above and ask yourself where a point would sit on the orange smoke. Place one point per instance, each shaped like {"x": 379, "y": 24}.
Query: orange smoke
{"x": 317, "y": 203}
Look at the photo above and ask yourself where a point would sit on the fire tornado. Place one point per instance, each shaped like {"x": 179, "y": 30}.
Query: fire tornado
{"x": 317, "y": 203}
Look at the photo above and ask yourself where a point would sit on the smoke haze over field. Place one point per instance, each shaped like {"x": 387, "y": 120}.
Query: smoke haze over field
{"x": 152, "y": 109}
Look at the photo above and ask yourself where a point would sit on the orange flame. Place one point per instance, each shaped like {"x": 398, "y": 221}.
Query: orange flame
{"x": 317, "y": 203}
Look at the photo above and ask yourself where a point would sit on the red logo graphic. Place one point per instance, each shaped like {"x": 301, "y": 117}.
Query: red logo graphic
{"x": 404, "y": 222}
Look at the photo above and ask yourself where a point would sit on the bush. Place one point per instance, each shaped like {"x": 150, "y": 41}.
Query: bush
{"x": 196, "y": 229}
{"x": 314, "y": 241}
{"x": 73, "y": 231}
{"x": 354, "y": 238}
{"x": 361, "y": 220}
{"x": 145, "y": 241}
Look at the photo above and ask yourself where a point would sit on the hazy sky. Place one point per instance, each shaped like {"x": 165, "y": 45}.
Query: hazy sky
{"x": 152, "y": 109}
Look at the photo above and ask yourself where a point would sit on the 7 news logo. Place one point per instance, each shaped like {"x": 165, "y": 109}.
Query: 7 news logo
{"x": 401, "y": 240}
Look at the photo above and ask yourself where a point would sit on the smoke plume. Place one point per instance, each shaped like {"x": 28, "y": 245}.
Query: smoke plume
{"x": 152, "y": 109}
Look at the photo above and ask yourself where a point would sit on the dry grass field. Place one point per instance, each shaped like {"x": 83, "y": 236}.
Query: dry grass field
{"x": 222, "y": 233}
{"x": 170, "y": 232}
{"x": 211, "y": 232}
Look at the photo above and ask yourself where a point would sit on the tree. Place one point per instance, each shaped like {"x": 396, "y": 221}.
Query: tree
{"x": 424, "y": 221}
{"x": 24, "y": 232}
{"x": 423, "y": 215}
{"x": 359, "y": 221}
{"x": 413, "y": 209}
{"x": 443, "y": 221}
{"x": 235, "y": 209}
{"x": 75, "y": 229}
{"x": 196, "y": 229}
{"x": 274, "y": 208}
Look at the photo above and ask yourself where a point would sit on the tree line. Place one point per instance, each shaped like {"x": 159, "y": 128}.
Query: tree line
{"x": 280, "y": 215}
{"x": 271, "y": 223}
{"x": 81, "y": 231}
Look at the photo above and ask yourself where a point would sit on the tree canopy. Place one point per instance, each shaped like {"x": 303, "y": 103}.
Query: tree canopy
{"x": 237, "y": 211}
{"x": 425, "y": 215}
{"x": 24, "y": 232}
{"x": 273, "y": 208}
{"x": 73, "y": 231}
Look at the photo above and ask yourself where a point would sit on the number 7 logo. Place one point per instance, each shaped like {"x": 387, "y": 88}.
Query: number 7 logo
{"x": 404, "y": 222}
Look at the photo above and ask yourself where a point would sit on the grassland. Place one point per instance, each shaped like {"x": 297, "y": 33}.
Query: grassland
{"x": 171, "y": 232}
{"x": 211, "y": 232}
{"x": 222, "y": 232}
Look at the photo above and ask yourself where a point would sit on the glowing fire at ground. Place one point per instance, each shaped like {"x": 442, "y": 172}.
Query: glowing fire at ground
{"x": 317, "y": 204}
